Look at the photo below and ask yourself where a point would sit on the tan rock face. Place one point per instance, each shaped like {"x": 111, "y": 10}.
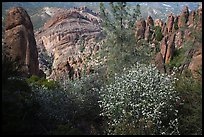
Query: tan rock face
{"x": 150, "y": 21}
{"x": 18, "y": 16}
{"x": 199, "y": 24}
{"x": 183, "y": 18}
{"x": 196, "y": 62}
{"x": 158, "y": 22}
{"x": 191, "y": 18}
{"x": 159, "y": 62}
{"x": 19, "y": 38}
{"x": 163, "y": 47}
{"x": 70, "y": 36}
{"x": 178, "y": 39}
{"x": 170, "y": 49}
{"x": 147, "y": 33}
{"x": 170, "y": 23}
{"x": 140, "y": 29}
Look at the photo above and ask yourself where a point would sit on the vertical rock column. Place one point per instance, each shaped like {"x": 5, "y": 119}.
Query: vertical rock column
{"x": 20, "y": 40}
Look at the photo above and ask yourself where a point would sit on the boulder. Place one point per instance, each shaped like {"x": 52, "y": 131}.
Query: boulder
{"x": 183, "y": 18}
{"x": 170, "y": 49}
{"x": 20, "y": 40}
{"x": 170, "y": 23}
{"x": 140, "y": 29}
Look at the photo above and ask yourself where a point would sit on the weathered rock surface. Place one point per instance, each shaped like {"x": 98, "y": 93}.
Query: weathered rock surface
{"x": 170, "y": 23}
{"x": 170, "y": 49}
{"x": 163, "y": 47}
{"x": 150, "y": 21}
{"x": 70, "y": 37}
{"x": 20, "y": 40}
{"x": 140, "y": 29}
{"x": 159, "y": 62}
{"x": 191, "y": 18}
{"x": 183, "y": 18}
{"x": 179, "y": 39}
{"x": 196, "y": 62}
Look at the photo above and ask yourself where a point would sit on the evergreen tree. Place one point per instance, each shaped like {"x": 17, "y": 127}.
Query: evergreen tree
{"x": 118, "y": 25}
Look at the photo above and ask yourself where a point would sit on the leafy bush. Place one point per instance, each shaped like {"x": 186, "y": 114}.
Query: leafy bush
{"x": 178, "y": 58}
{"x": 158, "y": 33}
{"x": 176, "y": 25}
{"x": 75, "y": 103}
{"x": 50, "y": 84}
{"x": 66, "y": 129}
{"x": 140, "y": 101}
{"x": 190, "y": 113}
{"x": 19, "y": 109}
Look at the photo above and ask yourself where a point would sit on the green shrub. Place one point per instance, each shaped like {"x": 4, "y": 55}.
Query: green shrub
{"x": 176, "y": 25}
{"x": 178, "y": 58}
{"x": 50, "y": 84}
{"x": 74, "y": 102}
{"x": 158, "y": 33}
{"x": 19, "y": 109}
{"x": 190, "y": 113}
{"x": 66, "y": 129}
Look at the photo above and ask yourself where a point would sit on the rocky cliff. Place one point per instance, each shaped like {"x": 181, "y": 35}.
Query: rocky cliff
{"x": 68, "y": 41}
{"x": 176, "y": 32}
{"x": 20, "y": 41}
{"x": 70, "y": 38}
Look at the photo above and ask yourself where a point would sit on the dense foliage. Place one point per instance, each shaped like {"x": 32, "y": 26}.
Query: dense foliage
{"x": 136, "y": 99}
{"x": 140, "y": 101}
{"x": 118, "y": 26}
{"x": 158, "y": 33}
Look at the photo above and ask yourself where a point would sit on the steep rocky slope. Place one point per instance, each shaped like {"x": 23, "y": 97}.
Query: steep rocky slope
{"x": 69, "y": 40}
{"x": 69, "y": 37}
{"x": 177, "y": 32}
{"x": 20, "y": 41}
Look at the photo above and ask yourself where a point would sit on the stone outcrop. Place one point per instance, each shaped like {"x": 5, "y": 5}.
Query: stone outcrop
{"x": 20, "y": 40}
{"x": 191, "y": 18}
{"x": 173, "y": 36}
{"x": 69, "y": 38}
{"x": 183, "y": 18}
{"x": 158, "y": 22}
{"x": 149, "y": 29}
{"x": 196, "y": 62}
{"x": 149, "y": 21}
{"x": 179, "y": 39}
{"x": 140, "y": 29}
{"x": 170, "y": 23}
{"x": 163, "y": 47}
{"x": 159, "y": 62}
{"x": 170, "y": 49}
{"x": 199, "y": 23}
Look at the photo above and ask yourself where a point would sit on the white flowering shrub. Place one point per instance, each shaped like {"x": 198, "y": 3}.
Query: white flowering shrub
{"x": 140, "y": 101}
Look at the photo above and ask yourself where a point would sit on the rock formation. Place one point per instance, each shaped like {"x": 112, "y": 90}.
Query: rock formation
{"x": 173, "y": 36}
{"x": 183, "y": 18}
{"x": 150, "y": 21}
{"x": 70, "y": 37}
{"x": 159, "y": 62}
{"x": 20, "y": 40}
{"x": 196, "y": 62}
{"x": 163, "y": 47}
{"x": 140, "y": 29}
{"x": 170, "y": 49}
{"x": 170, "y": 23}
{"x": 191, "y": 18}
{"x": 179, "y": 39}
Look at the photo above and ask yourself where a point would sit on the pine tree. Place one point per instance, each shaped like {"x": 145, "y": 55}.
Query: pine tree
{"x": 118, "y": 25}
